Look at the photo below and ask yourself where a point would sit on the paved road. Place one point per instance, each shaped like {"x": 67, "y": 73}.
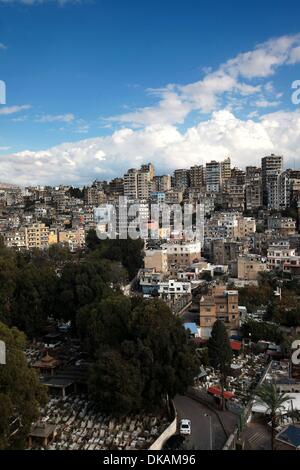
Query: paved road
{"x": 199, "y": 439}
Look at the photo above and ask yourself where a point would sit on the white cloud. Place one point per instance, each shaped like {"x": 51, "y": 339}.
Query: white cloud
{"x": 294, "y": 56}
{"x": 151, "y": 133}
{"x": 13, "y": 109}
{"x": 56, "y": 118}
{"x": 233, "y": 77}
{"x": 164, "y": 145}
{"x": 170, "y": 109}
{"x": 266, "y": 104}
{"x": 3, "y": 47}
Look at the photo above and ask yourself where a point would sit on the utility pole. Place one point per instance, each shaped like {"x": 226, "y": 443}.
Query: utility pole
{"x": 210, "y": 430}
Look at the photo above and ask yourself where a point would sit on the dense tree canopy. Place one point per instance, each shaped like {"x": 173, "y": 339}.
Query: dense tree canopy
{"x": 76, "y": 192}
{"x": 27, "y": 291}
{"x": 142, "y": 344}
{"x": 128, "y": 252}
{"x": 253, "y": 297}
{"x": 38, "y": 284}
{"x": 140, "y": 352}
{"x": 261, "y": 331}
{"x": 20, "y": 391}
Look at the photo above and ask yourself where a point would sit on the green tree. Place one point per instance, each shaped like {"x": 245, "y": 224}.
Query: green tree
{"x": 128, "y": 252}
{"x": 8, "y": 276}
{"x": 81, "y": 284}
{"x": 91, "y": 240}
{"x": 262, "y": 331}
{"x": 28, "y": 283}
{"x": 34, "y": 298}
{"x": 269, "y": 396}
{"x": 115, "y": 383}
{"x": 146, "y": 336}
{"x": 220, "y": 353}
{"x": 253, "y": 297}
{"x": 21, "y": 393}
{"x": 76, "y": 192}
{"x": 104, "y": 323}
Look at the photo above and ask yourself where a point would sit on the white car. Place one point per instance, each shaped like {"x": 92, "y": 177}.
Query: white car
{"x": 185, "y": 426}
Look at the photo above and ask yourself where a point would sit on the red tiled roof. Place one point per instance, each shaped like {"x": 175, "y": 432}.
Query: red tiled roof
{"x": 217, "y": 392}
{"x": 235, "y": 345}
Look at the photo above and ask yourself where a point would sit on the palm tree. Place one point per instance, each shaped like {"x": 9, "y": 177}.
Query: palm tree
{"x": 268, "y": 395}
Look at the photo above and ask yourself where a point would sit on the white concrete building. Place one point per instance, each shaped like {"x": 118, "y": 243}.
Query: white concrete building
{"x": 172, "y": 289}
{"x": 279, "y": 254}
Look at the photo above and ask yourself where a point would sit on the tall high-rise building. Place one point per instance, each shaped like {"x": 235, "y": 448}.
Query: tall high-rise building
{"x": 138, "y": 183}
{"x": 271, "y": 168}
{"x": 116, "y": 186}
{"x": 196, "y": 176}
{"x": 94, "y": 196}
{"x": 144, "y": 187}
{"x": 278, "y": 190}
{"x": 253, "y": 199}
{"x": 238, "y": 175}
{"x": 226, "y": 169}
{"x": 213, "y": 177}
{"x": 162, "y": 183}
{"x": 253, "y": 189}
{"x": 182, "y": 178}
{"x": 148, "y": 168}
{"x": 294, "y": 183}
{"x": 130, "y": 183}
{"x": 253, "y": 173}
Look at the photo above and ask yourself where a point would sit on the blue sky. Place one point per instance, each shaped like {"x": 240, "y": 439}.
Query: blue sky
{"x": 138, "y": 78}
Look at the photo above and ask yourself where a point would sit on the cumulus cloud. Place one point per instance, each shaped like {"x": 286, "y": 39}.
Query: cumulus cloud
{"x": 152, "y": 133}
{"x": 168, "y": 148}
{"x": 233, "y": 77}
{"x": 294, "y": 56}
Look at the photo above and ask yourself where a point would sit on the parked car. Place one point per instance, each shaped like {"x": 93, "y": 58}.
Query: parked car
{"x": 185, "y": 426}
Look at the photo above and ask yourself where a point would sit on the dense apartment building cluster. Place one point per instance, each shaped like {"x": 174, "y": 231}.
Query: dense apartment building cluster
{"x": 38, "y": 217}
{"x": 246, "y": 232}
{"x": 218, "y": 185}
{"x": 250, "y": 225}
